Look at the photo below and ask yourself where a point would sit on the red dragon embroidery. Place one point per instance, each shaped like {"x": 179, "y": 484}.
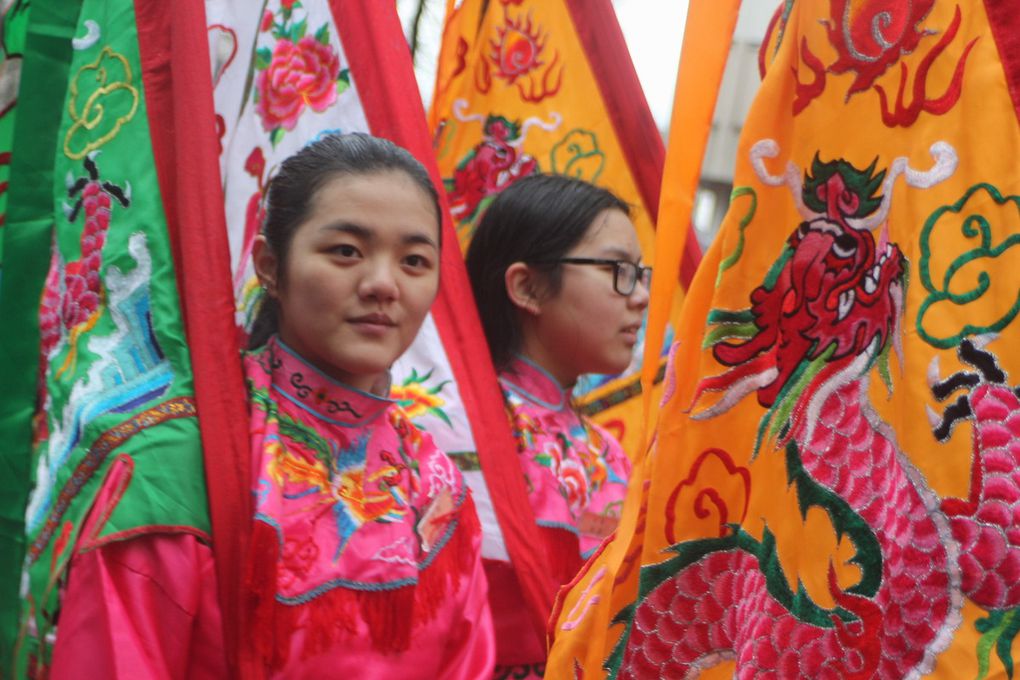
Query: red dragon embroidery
{"x": 254, "y": 215}
{"x": 826, "y": 315}
{"x": 492, "y": 165}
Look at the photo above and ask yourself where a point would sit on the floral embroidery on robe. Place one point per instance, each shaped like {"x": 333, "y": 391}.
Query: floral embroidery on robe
{"x": 576, "y": 474}
{"x": 366, "y": 542}
{"x": 576, "y": 471}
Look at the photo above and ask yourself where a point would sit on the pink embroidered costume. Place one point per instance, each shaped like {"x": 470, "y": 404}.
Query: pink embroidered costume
{"x": 366, "y": 558}
{"x": 145, "y": 607}
{"x": 576, "y": 474}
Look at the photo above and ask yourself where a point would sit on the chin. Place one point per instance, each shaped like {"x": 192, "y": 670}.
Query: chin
{"x": 623, "y": 360}
{"x": 611, "y": 367}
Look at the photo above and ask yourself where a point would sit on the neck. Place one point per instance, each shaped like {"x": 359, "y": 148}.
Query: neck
{"x": 533, "y": 383}
{"x": 537, "y": 353}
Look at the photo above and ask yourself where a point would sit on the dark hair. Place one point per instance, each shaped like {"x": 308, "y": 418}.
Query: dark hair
{"x": 534, "y": 220}
{"x": 299, "y": 178}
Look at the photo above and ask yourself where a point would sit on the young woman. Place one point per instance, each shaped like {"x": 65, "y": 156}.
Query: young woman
{"x": 371, "y": 563}
{"x": 365, "y": 555}
{"x": 556, "y": 270}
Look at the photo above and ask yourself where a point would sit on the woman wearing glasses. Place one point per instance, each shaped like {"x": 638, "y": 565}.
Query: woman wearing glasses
{"x": 555, "y": 269}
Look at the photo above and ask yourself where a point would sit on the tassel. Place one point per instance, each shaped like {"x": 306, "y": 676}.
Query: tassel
{"x": 389, "y": 615}
{"x": 441, "y": 579}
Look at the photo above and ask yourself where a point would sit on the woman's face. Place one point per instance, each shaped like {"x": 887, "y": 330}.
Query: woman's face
{"x": 361, "y": 273}
{"x": 587, "y": 327}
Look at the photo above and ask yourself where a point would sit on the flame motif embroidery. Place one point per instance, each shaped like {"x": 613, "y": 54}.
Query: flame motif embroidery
{"x": 517, "y": 55}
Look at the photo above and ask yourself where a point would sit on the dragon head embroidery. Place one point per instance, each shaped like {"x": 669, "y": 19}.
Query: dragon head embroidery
{"x": 830, "y": 305}
{"x": 834, "y": 293}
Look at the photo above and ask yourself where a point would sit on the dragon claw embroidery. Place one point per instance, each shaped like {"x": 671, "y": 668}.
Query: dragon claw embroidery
{"x": 986, "y": 371}
{"x": 984, "y": 523}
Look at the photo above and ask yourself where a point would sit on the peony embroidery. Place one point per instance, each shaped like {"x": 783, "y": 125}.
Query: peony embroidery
{"x": 574, "y": 486}
{"x": 300, "y": 71}
{"x": 299, "y": 75}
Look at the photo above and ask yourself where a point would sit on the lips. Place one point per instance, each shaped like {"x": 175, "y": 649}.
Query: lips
{"x": 631, "y": 332}
{"x": 375, "y": 322}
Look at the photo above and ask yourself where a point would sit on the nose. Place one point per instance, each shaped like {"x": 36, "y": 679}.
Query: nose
{"x": 638, "y": 298}
{"x": 379, "y": 281}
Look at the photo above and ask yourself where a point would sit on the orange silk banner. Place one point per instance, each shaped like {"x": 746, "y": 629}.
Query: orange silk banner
{"x": 582, "y": 642}
{"x": 707, "y": 38}
{"x": 833, "y": 488}
{"x": 525, "y": 86}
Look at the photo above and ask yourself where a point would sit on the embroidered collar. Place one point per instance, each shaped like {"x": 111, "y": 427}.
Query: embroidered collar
{"x": 530, "y": 381}
{"x": 311, "y": 389}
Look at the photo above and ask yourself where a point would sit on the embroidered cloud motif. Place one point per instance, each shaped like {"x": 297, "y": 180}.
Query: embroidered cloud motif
{"x": 103, "y": 98}
{"x": 981, "y": 284}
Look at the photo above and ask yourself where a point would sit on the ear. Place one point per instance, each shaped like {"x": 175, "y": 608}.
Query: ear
{"x": 266, "y": 264}
{"x": 522, "y": 286}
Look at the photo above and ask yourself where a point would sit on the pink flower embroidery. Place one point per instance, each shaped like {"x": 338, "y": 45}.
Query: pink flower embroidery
{"x": 574, "y": 486}
{"x": 299, "y": 74}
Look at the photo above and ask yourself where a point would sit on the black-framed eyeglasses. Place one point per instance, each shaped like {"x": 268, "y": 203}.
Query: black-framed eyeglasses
{"x": 625, "y": 274}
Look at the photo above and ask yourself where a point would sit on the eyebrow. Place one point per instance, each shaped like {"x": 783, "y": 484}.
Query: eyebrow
{"x": 620, "y": 254}
{"x": 366, "y": 234}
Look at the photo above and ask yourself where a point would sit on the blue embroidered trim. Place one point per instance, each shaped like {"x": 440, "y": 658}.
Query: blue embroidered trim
{"x": 517, "y": 389}
{"x": 558, "y": 525}
{"x": 328, "y": 378}
{"x": 305, "y": 598}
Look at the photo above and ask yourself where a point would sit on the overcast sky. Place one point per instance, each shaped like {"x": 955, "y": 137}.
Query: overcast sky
{"x": 654, "y": 32}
